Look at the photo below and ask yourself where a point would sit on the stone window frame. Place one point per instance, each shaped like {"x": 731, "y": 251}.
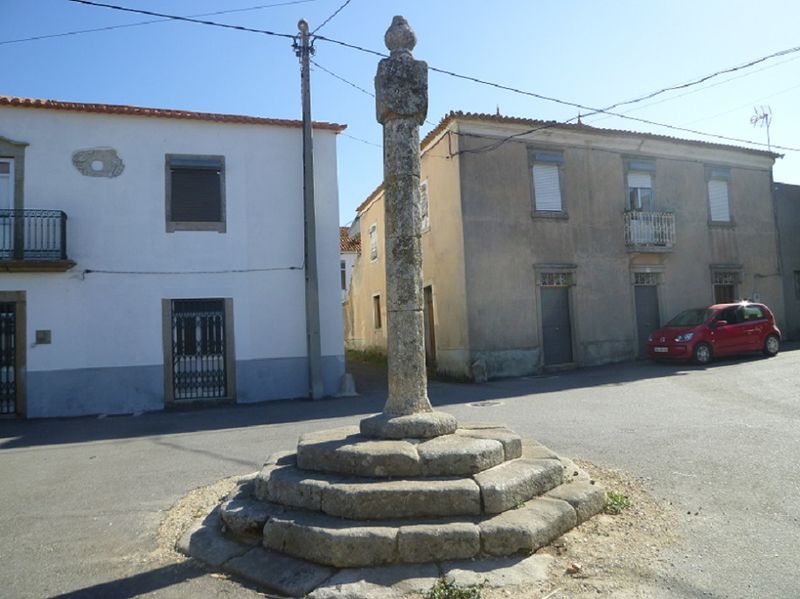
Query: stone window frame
{"x": 548, "y": 157}
{"x": 172, "y": 225}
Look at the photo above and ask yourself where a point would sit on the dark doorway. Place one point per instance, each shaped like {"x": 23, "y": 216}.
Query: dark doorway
{"x": 198, "y": 349}
{"x": 647, "y": 314}
{"x": 556, "y": 327}
{"x": 8, "y": 358}
{"x": 430, "y": 328}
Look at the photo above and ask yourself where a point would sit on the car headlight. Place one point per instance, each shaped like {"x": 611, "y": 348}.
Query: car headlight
{"x": 684, "y": 337}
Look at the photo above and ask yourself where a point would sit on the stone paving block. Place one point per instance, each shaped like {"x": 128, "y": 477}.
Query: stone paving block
{"x": 205, "y": 542}
{"x": 513, "y": 483}
{"x": 512, "y": 442}
{"x": 344, "y": 451}
{"x": 585, "y": 498}
{"x": 536, "y": 451}
{"x": 527, "y": 528}
{"x": 377, "y": 499}
{"x": 499, "y": 571}
{"x": 437, "y": 542}
{"x": 456, "y": 455}
{"x": 297, "y": 488}
{"x": 245, "y": 517}
{"x": 280, "y": 573}
{"x": 331, "y": 541}
{"x": 383, "y": 582}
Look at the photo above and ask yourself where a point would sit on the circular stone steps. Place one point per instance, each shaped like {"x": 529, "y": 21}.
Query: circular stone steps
{"x": 344, "y": 500}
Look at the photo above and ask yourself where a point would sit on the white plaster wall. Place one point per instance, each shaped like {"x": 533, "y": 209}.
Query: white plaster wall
{"x": 104, "y": 320}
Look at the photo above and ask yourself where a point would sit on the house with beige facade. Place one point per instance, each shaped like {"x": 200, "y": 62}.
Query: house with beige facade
{"x": 548, "y": 245}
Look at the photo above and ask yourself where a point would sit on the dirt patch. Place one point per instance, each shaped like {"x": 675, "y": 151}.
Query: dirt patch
{"x": 190, "y": 508}
{"x": 610, "y": 555}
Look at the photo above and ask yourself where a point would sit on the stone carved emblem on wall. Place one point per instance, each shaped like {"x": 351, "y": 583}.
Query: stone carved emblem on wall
{"x": 98, "y": 162}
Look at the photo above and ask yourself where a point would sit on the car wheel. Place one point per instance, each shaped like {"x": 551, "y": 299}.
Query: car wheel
{"x": 702, "y": 353}
{"x": 771, "y": 345}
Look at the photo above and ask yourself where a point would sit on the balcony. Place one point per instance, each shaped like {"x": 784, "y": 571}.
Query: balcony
{"x": 33, "y": 240}
{"x": 649, "y": 231}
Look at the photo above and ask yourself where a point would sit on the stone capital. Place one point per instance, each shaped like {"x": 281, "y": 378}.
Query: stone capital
{"x": 401, "y": 84}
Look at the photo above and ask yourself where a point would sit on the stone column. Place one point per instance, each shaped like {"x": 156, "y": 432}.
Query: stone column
{"x": 401, "y": 94}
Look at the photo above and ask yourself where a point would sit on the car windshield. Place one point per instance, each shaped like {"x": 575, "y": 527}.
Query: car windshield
{"x": 690, "y": 318}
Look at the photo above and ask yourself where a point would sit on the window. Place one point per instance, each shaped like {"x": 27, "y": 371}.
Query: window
{"x": 546, "y": 173}
{"x": 376, "y": 311}
{"x": 718, "y": 202}
{"x": 343, "y": 270}
{"x": 752, "y": 313}
{"x": 195, "y": 193}
{"x": 646, "y": 279}
{"x": 639, "y": 185}
{"x": 555, "y": 279}
{"x": 423, "y": 206}
{"x": 724, "y": 286}
{"x": 373, "y": 242}
{"x": 797, "y": 284}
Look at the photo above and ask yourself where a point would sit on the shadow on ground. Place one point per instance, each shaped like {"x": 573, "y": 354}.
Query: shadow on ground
{"x": 371, "y": 382}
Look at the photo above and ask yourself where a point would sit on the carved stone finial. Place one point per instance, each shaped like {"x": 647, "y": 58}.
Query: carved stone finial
{"x": 400, "y": 37}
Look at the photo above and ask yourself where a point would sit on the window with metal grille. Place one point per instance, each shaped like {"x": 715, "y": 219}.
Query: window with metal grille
{"x": 797, "y": 284}
{"x": 718, "y": 201}
{"x": 195, "y": 193}
{"x": 725, "y": 286}
{"x": 343, "y": 271}
{"x": 646, "y": 278}
{"x": 423, "y": 206}
{"x": 555, "y": 279}
{"x": 198, "y": 349}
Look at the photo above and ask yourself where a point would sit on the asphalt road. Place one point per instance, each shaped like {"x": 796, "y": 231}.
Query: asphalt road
{"x": 81, "y": 499}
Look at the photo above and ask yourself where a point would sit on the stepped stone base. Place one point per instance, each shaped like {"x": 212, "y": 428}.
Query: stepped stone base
{"x": 345, "y": 500}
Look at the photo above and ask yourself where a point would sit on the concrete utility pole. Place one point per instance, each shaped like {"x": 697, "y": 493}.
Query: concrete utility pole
{"x": 315, "y": 386}
{"x": 401, "y": 96}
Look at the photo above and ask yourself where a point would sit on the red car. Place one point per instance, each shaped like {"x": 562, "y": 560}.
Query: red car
{"x": 700, "y": 334}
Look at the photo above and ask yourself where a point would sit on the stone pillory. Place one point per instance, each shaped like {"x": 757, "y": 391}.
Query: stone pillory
{"x": 401, "y": 98}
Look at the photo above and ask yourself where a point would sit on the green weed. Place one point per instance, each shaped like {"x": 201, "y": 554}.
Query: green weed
{"x": 616, "y": 502}
{"x": 448, "y": 589}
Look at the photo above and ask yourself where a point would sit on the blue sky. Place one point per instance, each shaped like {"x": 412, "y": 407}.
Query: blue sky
{"x": 587, "y": 52}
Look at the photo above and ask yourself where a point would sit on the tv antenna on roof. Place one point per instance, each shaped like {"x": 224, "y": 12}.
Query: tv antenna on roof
{"x": 762, "y": 117}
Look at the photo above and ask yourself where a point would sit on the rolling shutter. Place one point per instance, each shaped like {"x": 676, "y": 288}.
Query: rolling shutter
{"x": 718, "y": 200}
{"x": 546, "y": 188}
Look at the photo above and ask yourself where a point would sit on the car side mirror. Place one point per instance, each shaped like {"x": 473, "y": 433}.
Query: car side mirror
{"x": 720, "y": 323}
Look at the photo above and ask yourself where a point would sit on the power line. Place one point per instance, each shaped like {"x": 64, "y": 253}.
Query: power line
{"x": 703, "y": 78}
{"x": 342, "y": 79}
{"x": 475, "y": 79}
{"x": 185, "y": 19}
{"x": 140, "y": 23}
{"x": 330, "y": 18}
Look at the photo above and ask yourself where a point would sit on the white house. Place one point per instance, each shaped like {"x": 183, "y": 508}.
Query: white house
{"x": 150, "y": 257}
{"x": 349, "y": 247}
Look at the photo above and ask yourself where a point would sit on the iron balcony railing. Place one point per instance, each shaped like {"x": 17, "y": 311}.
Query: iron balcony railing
{"x": 649, "y": 230}
{"x": 33, "y": 235}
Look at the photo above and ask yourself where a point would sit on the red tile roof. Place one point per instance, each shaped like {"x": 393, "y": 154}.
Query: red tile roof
{"x": 346, "y": 244}
{"x": 159, "y": 113}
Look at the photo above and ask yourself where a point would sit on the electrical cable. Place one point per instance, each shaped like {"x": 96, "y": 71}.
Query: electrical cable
{"x": 88, "y": 271}
{"x": 185, "y": 19}
{"x": 330, "y": 18}
{"x": 591, "y": 109}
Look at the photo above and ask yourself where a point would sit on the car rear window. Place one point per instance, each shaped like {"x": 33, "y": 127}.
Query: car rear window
{"x": 690, "y": 318}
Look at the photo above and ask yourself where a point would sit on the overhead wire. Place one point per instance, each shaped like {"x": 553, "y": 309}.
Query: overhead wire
{"x": 330, "y": 18}
{"x": 184, "y": 19}
{"x": 478, "y": 80}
